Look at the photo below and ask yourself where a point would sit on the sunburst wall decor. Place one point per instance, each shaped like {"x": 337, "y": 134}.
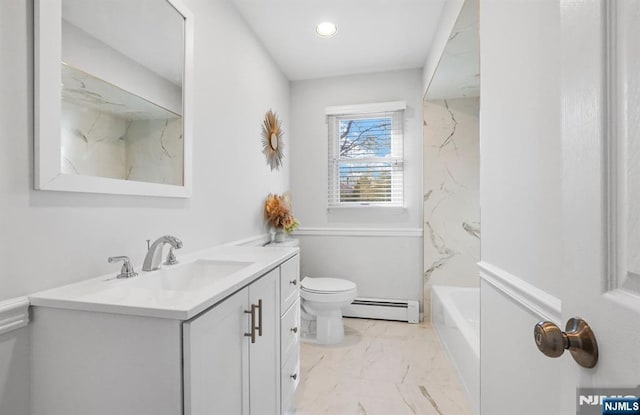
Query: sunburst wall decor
{"x": 272, "y": 144}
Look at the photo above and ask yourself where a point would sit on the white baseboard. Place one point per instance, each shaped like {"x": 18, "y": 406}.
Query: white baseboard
{"x": 383, "y": 309}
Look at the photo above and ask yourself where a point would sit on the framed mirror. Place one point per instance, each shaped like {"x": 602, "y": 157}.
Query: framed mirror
{"x": 113, "y": 82}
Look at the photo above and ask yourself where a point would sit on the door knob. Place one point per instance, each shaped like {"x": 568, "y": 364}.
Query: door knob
{"x": 577, "y": 337}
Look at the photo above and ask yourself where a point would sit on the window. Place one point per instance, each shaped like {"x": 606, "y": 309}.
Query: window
{"x": 365, "y": 155}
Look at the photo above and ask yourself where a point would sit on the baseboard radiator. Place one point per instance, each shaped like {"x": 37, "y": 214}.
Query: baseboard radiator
{"x": 383, "y": 309}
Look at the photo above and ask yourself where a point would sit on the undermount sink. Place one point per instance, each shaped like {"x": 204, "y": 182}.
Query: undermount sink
{"x": 189, "y": 277}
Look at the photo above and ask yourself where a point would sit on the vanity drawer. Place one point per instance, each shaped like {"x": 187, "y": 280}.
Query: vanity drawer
{"x": 289, "y": 382}
{"x": 290, "y": 330}
{"x": 289, "y": 282}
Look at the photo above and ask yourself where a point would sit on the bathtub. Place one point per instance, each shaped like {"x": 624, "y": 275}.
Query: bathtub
{"x": 455, "y": 313}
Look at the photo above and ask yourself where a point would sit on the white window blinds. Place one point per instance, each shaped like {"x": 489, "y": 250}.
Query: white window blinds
{"x": 365, "y": 155}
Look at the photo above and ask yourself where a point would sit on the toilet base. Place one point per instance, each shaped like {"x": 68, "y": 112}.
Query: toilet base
{"x": 326, "y": 328}
{"x": 330, "y": 328}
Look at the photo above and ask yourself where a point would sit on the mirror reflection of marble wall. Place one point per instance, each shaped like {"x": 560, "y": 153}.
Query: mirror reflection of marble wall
{"x": 122, "y": 90}
{"x": 108, "y": 132}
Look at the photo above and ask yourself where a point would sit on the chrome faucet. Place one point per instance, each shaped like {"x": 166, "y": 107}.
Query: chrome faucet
{"x": 154, "y": 254}
{"x": 127, "y": 268}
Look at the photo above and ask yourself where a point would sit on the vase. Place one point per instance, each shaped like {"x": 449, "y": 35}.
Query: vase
{"x": 280, "y": 236}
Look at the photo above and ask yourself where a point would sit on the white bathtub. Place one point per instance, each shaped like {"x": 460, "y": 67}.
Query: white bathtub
{"x": 455, "y": 313}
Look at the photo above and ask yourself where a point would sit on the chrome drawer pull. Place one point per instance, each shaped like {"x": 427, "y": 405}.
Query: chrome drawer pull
{"x": 259, "y": 306}
{"x": 293, "y": 282}
{"x": 253, "y": 323}
{"x": 295, "y": 329}
{"x": 294, "y": 376}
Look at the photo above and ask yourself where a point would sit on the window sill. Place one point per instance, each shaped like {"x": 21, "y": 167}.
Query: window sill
{"x": 372, "y": 207}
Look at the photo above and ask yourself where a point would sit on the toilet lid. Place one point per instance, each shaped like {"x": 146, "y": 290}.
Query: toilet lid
{"x": 320, "y": 285}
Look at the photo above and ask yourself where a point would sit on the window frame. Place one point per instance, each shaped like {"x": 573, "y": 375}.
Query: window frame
{"x": 334, "y": 115}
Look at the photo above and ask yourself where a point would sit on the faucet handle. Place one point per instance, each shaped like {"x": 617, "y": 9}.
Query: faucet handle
{"x": 171, "y": 258}
{"x": 127, "y": 268}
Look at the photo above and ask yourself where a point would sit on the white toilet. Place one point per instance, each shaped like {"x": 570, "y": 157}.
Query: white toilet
{"x": 322, "y": 303}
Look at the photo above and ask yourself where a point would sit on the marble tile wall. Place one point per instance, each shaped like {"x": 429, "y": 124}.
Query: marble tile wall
{"x": 93, "y": 142}
{"x": 451, "y": 194}
{"x": 155, "y": 151}
{"x": 96, "y": 143}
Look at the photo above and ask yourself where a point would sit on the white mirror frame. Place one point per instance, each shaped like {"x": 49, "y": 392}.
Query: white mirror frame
{"x": 48, "y": 173}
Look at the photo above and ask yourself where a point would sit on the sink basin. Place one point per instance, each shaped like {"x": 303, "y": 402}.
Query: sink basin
{"x": 189, "y": 277}
{"x": 176, "y": 292}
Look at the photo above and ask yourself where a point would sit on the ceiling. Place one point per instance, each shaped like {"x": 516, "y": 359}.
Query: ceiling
{"x": 373, "y": 35}
{"x": 458, "y": 73}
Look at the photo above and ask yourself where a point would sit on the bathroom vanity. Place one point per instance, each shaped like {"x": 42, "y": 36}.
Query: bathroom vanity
{"x": 214, "y": 334}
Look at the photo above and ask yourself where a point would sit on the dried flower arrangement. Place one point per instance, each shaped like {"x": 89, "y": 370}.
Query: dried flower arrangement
{"x": 277, "y": 211}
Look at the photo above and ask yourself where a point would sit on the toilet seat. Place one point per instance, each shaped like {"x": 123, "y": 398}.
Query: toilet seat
{"x": 334, "y": 297}
{"x": 326, "y": 285}
{"x": 327, "y": 290}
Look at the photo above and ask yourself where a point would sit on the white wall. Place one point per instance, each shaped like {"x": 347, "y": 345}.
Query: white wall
{"x": 520, "y": 182}
{"x": 309, "y": 167}
{"x": 450, "y": 12}
{"x": 54, "y": 238}
{"x": 382, "y": 266}
{"x": 14, "y": 372}
{"x": 83, "y": 51}
{"x": 451, "y": 194}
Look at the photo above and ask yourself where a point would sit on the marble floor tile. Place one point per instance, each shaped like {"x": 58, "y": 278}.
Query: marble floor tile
{"x": 381, "y": 368}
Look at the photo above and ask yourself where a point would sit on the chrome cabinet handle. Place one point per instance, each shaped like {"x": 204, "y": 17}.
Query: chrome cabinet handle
{"x": 252, "y": 334}
{"x": 293, "y": 282}
{"x": 294, "y": 329}
{"x": 259, "y": 307}
{"x": 578, "y": 338}
{"x": 294, "y": 376}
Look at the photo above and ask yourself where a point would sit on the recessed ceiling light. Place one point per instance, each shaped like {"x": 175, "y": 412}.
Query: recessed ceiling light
{"x": 326, "y": 29}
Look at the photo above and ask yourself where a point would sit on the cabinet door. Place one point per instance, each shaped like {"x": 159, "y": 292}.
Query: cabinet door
{"x": 216, "y": 359}
{"x": 264, "y": 354}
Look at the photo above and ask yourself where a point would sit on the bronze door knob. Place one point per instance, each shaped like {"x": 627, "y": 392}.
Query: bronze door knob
{"x": 578, "y": 338}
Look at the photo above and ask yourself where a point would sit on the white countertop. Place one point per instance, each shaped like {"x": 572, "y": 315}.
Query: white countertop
{"x": 127, "y": 296}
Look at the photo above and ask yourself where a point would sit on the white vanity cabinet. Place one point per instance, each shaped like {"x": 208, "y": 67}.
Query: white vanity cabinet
{"x": 100, "y": 359}
{"x": 289, "y": 332}
{"x": 227, "y": 369}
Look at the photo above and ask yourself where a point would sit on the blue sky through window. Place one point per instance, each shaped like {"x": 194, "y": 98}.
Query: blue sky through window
{"x": 361, "y": 140}
{"x": 364, "y": 138}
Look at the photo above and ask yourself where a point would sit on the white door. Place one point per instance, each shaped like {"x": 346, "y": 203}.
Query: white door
{"x": 601, "y": 189}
